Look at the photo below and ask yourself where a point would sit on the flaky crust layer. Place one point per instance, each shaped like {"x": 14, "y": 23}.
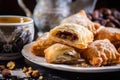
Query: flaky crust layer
{"x": 113, "y": 34}
{"x": 59, "y": 53}
{"x": 100, "y": 53}
{"x": 82, "y": 19}
{"x": 40, "y": 44}
{"x": 84, "y": 36}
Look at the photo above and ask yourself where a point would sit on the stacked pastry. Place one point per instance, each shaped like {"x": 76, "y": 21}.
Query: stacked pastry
{"x": 79, "y": 38}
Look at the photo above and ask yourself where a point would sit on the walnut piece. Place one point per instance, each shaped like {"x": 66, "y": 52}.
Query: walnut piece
{"x": 35, "y": 73}
{"x": 11, "y": 65}
{"x": 30, "y": 72}
{"x": 24, "y": 69}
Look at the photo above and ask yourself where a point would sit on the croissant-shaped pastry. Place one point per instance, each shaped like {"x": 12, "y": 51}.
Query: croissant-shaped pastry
{"x": 59, "y": 53}
{"x": 72, "y": 34}
{"x": 82, "y": 19}
{"x": 113, "y": 34}
{"x": 100, "y": 53}
{"x": 40, "y": 44}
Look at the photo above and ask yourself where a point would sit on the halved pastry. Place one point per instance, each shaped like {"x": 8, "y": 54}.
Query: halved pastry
{"x": 72, "y": 34}
{"x": 101, "y": 52}
{"x": 59, "y": 53}
{"x": 82, "y": 19}
{"x": 40, "y": 44}
{"x": 113, "y": 34}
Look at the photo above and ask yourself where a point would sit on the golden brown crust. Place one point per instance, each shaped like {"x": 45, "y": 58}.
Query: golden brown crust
{"x": 113, "y": 34}
{"x": 101, "y": 52}
{"x": 40, "y": 44}
{"x": 72, "y": 34}
{"x": 82, "y": 19}
{"x": 59, "y": 53}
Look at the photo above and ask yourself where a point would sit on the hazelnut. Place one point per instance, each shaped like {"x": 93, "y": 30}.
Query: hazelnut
{"x": 6, "y": 73}
{"x": 35, "y": 73}
{"x": 25, "y": 69}
{"x": 2, "y": 67}
{"x": 106, "y": 11}
{"x": 11, "y": 65}
{"x": 95, "y": 14}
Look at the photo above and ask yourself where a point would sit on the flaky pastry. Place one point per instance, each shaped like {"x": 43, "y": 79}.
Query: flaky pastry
{"x": 59, "y": 53}
{"x": 40, "y": 44}
{"x": 100, "y": 53}
{"x": 113, "y": 34}
{"x": 82, "y": 19}
{"x": 72, "y": 34}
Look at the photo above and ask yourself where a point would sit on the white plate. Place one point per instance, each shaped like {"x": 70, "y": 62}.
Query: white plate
{"x": 41, "y": 61}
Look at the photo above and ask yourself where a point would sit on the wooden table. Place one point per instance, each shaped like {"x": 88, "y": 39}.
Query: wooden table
{"x": 51, "y": 74}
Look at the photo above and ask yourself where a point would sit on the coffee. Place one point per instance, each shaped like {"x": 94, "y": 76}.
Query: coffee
{"x": 13, "y": 20}
{"x": 15, "y": 32}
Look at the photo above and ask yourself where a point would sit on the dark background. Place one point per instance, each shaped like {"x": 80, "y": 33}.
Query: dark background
{"x": 11, "y": 7}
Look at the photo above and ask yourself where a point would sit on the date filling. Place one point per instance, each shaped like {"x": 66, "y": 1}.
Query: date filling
{"x": 67, "y": 35}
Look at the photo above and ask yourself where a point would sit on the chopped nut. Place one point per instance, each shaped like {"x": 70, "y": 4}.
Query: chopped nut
{"x": 30, "y": 71}
{"x": 35, "y": 73}
{"x": 25, "y": 69}
{"x": 30, "y": 68}
{"x": 11, "y": 65}
{"x": 2, "y": 67}
{"x": 40, "y": 77}
{"x": 6, "y": 73}
{"x": 28, "y": 74}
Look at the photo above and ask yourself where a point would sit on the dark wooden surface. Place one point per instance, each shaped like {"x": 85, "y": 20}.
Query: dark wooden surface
{"x": 52, "y": 74}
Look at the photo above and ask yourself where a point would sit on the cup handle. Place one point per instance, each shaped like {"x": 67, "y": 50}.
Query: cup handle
{"x": 23, "y": 6}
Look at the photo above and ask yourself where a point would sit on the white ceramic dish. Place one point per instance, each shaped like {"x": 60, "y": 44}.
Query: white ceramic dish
{"x": 41, "y": 61}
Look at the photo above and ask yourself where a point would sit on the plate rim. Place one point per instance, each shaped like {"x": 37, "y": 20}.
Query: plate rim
{"x": 64, "y": 67}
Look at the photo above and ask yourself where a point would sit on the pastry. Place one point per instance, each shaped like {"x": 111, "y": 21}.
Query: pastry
{"x": 40, "y": 44}
{"x": 113, "y": 34}
{"x": 59, "y": 53}
{"x": 100, "y": 53}
{"x": 82, "y": 19}
{"x": 72, "y": 34}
